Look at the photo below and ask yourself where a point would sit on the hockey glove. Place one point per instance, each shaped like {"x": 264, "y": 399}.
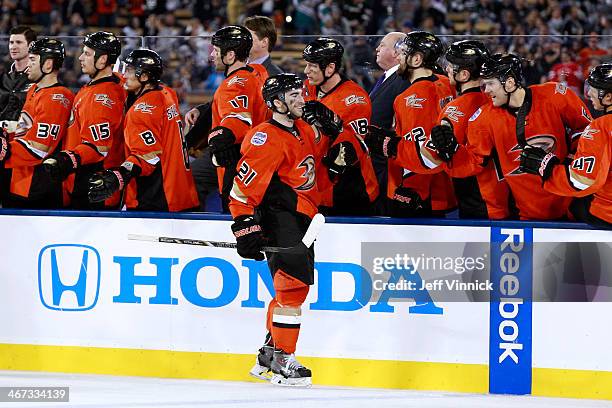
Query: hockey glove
{"x": 340, "y": 157}
{"x": 407, "y": 203}
{"x": 382, "y": 142}
{"x": 535, "y": 160}
{"x": 319, "y": 115}
{"x": 223, "y": 148}
{"x": 5, "y": 147}
{"x": 61, "y": 164}
{"x": 249, "y": 238}
{"x": 444, "y": 141}
{"x": 104, "y": 184}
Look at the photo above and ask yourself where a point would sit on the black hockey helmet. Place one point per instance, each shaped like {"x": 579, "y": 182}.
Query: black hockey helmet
{"x": 600, "y": 78}
{"x": 146, "y": 61}
{"x": 468, "y": 55}
{"x": 104, "y": 43}
{"x": 501, "y": 67}
{"x": 49, "y": 48}
{"x": 234, "y": 38}
{"x": 276, "y": 86}
{"x": 323, "y": 51}
{"x": 426, "y": 43}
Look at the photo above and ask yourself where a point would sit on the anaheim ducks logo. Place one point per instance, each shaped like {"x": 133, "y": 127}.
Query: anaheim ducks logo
{"x": 104, "y": 99}
{"x": 24, "y": 124}
{"x": 308, "y": 164}
{"x": 546, "y": 142}
{"x": 144, "y": 108}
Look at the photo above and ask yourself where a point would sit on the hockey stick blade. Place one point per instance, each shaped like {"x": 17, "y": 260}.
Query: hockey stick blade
{"x": 311, "y": 234}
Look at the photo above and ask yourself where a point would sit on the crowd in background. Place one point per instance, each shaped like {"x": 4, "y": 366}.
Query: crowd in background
{"x": 560, "y": 40}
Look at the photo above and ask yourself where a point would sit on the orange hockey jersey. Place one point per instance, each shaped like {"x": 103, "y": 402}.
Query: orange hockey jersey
{"x": 95, "y": 133}
{"x": 554, "y": 109}
{"x": 589, "y": 172}
{"x": 154, "y": 140}
{"x": 40, "y": 131}
{"x": 485, "y": 195}
{"x": 357, "y": 188}
{"x": 416, "y": 113}
{"x": 278, "y": 168}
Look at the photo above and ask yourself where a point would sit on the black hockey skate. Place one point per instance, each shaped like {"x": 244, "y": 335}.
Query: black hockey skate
{"x": 286, "y": 370}
{"x": 263, "y": 362}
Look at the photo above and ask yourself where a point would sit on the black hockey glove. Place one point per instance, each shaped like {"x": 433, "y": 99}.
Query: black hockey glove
{"x": 5, "y": 147}
{"x": 535, "y": 160}
{"x": 319, "y": 115}
{"x": 223, "y": 148}
{"x": 382, "y": 142}
{"x": 61, "y": 164}
{"x": 103, "y": 185}
{"x": 340, "y": 157}
{"x": 249, "y": 237}
{"x": 444, "y": 141}
{"x": 406, "y": 203}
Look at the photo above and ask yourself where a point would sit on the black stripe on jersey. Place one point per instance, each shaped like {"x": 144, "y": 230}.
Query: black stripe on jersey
{"x": 285, "y": 325}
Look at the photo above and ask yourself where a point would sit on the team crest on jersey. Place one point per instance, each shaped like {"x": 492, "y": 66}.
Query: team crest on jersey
{"x": 104, "y": 99}
{"x": 236, "y": 80}
{"x": 586, "y": 115}
{"x": 445, "y": 101}
{"x": 259, "y": 138}
{"x": 453, "y": 113}
{"x": 413, "y": 101}
{"x": 475, "y": 115}
{"x": 24, "y": 124}
{"x": 61, "y": 99}
{"x": 560, "y": 88}
{"x": 144, "y": 108}
{"x": 172, "y": 112}
{"x": 588, "y": 133}
{"x": 546, "y": 142}
{"x": 354, "y": 100}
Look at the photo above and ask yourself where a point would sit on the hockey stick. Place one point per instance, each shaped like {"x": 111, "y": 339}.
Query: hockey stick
{"x": 313, "y": 230}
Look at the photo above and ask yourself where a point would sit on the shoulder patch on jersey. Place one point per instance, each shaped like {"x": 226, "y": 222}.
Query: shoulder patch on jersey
{"x": 104, "y": 99}
{"x": 588, "y": 133}
{"x": 560, "y": 88}
{"x": 413, "y": 101}
{"x": 172, "y": 112}
{"x": 354, "y": 100}
{"x": 144, "y": 108}
{"x": 586, "y": 114}
{"x": 453, "y": 113}
{"x": 61, "y": 99}
{"x": 475, "y": 115}
{"x": 236, "y": 80}
{"x": 259, "y": 138}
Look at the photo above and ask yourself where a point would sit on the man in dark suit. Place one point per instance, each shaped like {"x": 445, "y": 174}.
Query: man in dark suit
{"x": 382, "y": 95}
{"x": 264, "y": 39}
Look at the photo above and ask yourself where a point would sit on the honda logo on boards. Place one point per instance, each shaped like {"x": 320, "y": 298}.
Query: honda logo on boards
{"x": 69, "y": 277}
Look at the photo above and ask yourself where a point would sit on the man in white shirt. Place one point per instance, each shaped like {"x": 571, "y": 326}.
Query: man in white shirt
{"x": 382, "y": 95}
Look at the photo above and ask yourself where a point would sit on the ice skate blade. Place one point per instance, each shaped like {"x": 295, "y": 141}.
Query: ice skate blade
{"x": 278, "y": 379}
{"x": 260, "y": 372}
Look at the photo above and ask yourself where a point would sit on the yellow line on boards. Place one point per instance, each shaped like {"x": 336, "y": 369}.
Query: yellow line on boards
{"x": 555, "y": 382}
{"x": 451, "y": 377}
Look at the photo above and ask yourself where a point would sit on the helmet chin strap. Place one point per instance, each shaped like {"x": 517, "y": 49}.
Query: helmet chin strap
{"x": 508, "y": 94}
{"x": 287, "y": 110}
{"x": 227, "y": 66}
{"x": 44, "y": 74}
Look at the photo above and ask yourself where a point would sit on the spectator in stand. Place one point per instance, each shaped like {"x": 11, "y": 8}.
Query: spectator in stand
{"x": 357, "y": 13}
{"x": 41, "y": 10}
{"x": 264, "y": 39}
{"x": 106, "y": 10}
{"x": 591, "y": 50}
{"x": 567, "y": 72}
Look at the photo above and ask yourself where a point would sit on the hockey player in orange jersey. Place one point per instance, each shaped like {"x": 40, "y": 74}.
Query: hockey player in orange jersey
{"x": 485, "y": 195}
{"x": 40, "y": 131}
{"x": 237, "y": 104}
{"x": 538, "y": 115}
{"x": 275, "y": 195}
{"x": 155, "y": 173}
{"x": 588, "y": 174}
{"x": 95, "y": 132}
{"x": 412, "y": 189}
{"x": 342, "y": 110}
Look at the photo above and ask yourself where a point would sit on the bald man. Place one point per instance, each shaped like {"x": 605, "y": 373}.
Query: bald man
{"x": 382, "y": 96}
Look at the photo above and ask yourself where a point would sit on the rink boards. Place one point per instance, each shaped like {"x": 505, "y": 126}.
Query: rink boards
{"x": 78, "y": 296}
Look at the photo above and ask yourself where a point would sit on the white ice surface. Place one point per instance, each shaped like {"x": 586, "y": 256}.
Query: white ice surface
{"x": 96, "y": 391}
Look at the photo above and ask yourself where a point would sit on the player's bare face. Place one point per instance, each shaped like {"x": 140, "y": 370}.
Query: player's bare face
{"x": 131, "y": 81}
{"x": 215, "y": 58}
{"x": 295, "y": 102}
{"x": 18, "y": 47}
{"x": 86, "y": 59}
{"x": 314, "y": 73}
{"x": 34, "y": 71}
{"x": 495, "y": 90}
